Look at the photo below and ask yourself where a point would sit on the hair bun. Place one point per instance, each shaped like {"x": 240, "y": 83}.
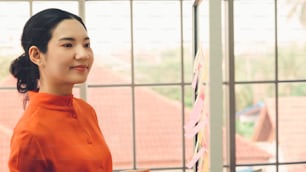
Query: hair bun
{"x": 25, "y": 72}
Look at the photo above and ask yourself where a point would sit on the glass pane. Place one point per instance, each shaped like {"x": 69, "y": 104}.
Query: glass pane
{"x": 114, "y": 111}
{"x": 270, "y": 168}
{"x": 176, "y": 170}
{"x": 203, "y": 46}
{"x": 256, "y": 169}
{"x": 65, "y": 5}
{"x": 109, "y": 26}
{"x": 292, "y": 121}
{"x": 189, "y": 103}
{"x": 254, "y": 40}
{"x": 203, "y": 27}
{"x": 158, "y": 127}
{"x": 189, "y": 97}
{"x": 292, "y": 49}
{"x": 11, "y": 101}
{"x": 11, "y": 108}
{"x": 255, "y": 137}
{"x": 293, "y": 167}
{"x": 157, "y": 41}
{"x": 10, "y": 34}
{"x": 225, "y": 134}
{"x": 4, "y": 151}
{"x": 187, "y": 39}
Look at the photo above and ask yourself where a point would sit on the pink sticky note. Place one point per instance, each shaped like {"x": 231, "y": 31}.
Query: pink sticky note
{"x": 204, "y": 145}
{"x": 195, "y": 80}
{"x": 199, "y": 67}
{"x": 195, "y": 158}
{"x": 192, "y": 132}
{"x": 196, "y": 112}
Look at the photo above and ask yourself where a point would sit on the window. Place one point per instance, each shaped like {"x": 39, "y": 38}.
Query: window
{"x": 137, "y": 81}
{"x": 269, "y": 85}
{"x": 9, "y": 49}
{"x": 140, "y": 82}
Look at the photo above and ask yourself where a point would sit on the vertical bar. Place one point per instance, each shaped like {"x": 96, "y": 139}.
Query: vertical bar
{"x": 226, "y": 79}
{"x": 195, "y": 38}
{"x": 31, "y": 7}
{"x": 276, "y": 85}
{"x": 83, "y": 86}
{"x": 232, "y": 98}
{"x": 215, "y": 86}
{"x": 133, "y": 85}
{"x": 182, "y": 83}
{"x": 195, "y": 29}
{"x": 81, "y": 6}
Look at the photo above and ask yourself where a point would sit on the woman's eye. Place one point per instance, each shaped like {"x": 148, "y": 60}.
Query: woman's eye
{"x": 87, "y": 45}
{"x": 67, "y": 45}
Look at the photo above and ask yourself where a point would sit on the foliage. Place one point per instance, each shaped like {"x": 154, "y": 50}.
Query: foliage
{"x": 4, "y": 70}
{"x": 291, "y": 62}
{"x": 167, "y": 70}
{"x": 245, "y": 129}
{"x": 244, "y": 97}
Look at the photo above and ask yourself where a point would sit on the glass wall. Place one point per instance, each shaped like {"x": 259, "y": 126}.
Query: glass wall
{"x": 269, "y": 85}
{"x": 140, "y": 82}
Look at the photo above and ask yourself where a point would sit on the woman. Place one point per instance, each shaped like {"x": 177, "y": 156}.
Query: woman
{"x": 57, "y": 131}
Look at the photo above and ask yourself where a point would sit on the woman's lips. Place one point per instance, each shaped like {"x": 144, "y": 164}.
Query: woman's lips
{"x": 80, "y": 68}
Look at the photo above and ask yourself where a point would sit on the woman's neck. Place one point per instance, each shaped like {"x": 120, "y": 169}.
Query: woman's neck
{"x": 60, "y": 90}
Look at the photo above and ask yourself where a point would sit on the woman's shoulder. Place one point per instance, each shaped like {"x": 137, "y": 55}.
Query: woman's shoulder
{"x": 25, "y": 130}
{"x": 32, "y": 121}
{"x": 29, "y": 118}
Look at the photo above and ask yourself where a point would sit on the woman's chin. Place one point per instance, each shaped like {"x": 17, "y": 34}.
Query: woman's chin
{"x": 79, "y": 81}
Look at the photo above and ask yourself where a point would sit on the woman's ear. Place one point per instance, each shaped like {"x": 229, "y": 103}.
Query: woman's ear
{"x": 35, "y": 55}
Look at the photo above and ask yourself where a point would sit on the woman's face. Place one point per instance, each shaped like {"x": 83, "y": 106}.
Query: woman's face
{"x": 69, "y": 56}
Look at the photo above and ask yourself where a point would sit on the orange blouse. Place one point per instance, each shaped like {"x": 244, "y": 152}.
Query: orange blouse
{"x": 58, "y": 134}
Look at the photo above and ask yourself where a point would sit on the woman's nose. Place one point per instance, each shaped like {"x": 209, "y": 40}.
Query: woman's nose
{"x": 82, "y": 53}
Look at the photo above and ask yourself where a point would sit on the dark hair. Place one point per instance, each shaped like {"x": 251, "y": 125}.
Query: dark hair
{"x": 36, "y": 32}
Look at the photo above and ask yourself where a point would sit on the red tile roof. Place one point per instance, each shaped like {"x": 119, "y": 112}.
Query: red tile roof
{"x": 248, "y": 152}
{"x": 291, "y": 123}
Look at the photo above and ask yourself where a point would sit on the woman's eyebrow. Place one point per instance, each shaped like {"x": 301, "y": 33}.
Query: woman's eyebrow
{"x": 72, "y": 39}
{"x": 67, "y": 39}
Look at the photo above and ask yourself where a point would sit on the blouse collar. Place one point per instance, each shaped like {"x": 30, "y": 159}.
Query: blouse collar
{"x": 51, "y": 101}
